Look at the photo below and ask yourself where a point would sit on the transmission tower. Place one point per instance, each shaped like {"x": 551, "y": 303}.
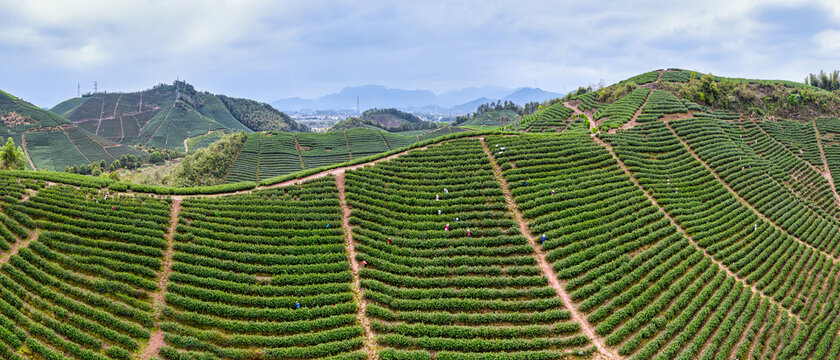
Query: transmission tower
{"x": 78, "y": 89}
{"x": 95, "y": 87}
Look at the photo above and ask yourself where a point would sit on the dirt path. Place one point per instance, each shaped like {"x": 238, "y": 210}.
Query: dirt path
{"x": 348, "y": 144}
{"x": 816, "y": 169}
{"x": 139, "y": 110}
{"x": 186, "y": 147}
{"x": 386, "y": 141}
{"x": 161, "y": 123}
{"x": 547, "y": 270}
{"x": 827, "y": 173}
{"x": 370, "y": 338}
{"x": 156, "y": 341}
{"x": 76, "y": 146}
{"x": 101, "y": 114}
{"x": 122, "y": 130}
{"x": 685, "y": 234}
{"x": 297, "y": 147}
{"x": 659, "y": 77}
{"x": 632, "y": 123}
{"x": 575, "y": 112}
{"x": 21, "y": 243}
{"x": 26, "y": 151}
{"x": 743, "y": 201}
{"x": 117, "y": 105}
{"x": 318, "y": 175}
{"x": 336, "y": 171}
{"x": 27, "y": 195}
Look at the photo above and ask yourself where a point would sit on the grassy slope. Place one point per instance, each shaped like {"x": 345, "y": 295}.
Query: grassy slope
{"x": 43, "y": 118}
{"x": 203, "y": 141}
{"x": 491, "y": 119}
{"x": 278, "y": 151}
{"x": 215, "y": 109}
{"x": 67, "y": 106}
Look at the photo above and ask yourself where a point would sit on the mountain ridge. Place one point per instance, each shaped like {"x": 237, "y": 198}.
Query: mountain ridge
{"x": 378, "y": 96}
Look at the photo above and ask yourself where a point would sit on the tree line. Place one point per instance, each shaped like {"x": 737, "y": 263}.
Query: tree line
{"x": 826, "y": 81}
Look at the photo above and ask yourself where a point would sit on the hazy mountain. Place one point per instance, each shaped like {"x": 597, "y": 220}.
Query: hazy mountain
{"x": 471, "y": 106}
{"x": 527, "y": 94}
{"x": 375, "y": 96}
{"x": 456, "y": 97}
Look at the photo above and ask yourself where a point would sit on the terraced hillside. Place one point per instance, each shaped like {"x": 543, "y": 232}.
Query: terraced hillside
{"x": 491, "y": 119}
{"x": 167, "y": 115}
{"x": 554, "y": 118}
{"x": 630, "y": 267}
{"x": 266, "y": 269}
{"x": 447, "y": 269}
{"x": 645, "y": 285}
{"x": 76, "y": 282}
{"x": 71, "y": 145}
{"x": 270, "y": 154}
{"x": 50, "y": 142}
{"x": 682, "y": 233}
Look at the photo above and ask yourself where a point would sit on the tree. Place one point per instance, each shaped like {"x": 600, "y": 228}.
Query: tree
{"x": 11, "y": 158}
{"x": 708, "y": 89}
{"x": 830, "y": 81}
{"x": 156, "y": 157}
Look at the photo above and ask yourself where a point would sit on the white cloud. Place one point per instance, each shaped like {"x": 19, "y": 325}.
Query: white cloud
{"x": 267, "y": 49}
{"x": 828, "y": 42}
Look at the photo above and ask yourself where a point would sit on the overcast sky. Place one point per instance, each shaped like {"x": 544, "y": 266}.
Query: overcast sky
{"x": 267, "y": 50}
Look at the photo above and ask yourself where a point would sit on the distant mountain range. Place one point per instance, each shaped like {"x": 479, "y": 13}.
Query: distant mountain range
{"x": 377, "y": 96}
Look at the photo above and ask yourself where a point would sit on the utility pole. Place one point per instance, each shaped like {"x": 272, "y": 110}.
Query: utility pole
{"x": 357, "y": 105}
{"x": 78, "y": 89}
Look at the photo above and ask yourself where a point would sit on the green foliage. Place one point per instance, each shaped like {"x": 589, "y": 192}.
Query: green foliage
{"x": 679, "y": 75}
{"x": 156, "y": 157}
{"x": 207, "y": 166}
{"x": 708, "y": 89}
{"x": 11, "y": 158}
{"x": 34, "y": 116}
{"x": 830, "y": 81}
{"x": 793, "y": 100}
{"x": 623, "y": 109}
{"x": 260, "y": 116}
{"x": 386, "y": 119}
{"x": 645, "y": 78}
{"x": 548, "y": 119}
{"x": 441, "y": 289}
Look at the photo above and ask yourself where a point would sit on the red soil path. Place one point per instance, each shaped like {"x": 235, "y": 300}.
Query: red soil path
{"x": 157, "y": 341}
{"x": 547, "y": 270}
{"x": 682, "y": 231}
{"x": 745, "y": 202}
{"x": 827, "y": 173}
{"x": 370, "y": 338}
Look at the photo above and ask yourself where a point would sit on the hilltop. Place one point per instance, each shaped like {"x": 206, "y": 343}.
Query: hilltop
{"x": 165, "y": 116}
{"x": 386, "y": 119}
{"x": 18, "y": 115}
{"x": 51, "y": 142}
